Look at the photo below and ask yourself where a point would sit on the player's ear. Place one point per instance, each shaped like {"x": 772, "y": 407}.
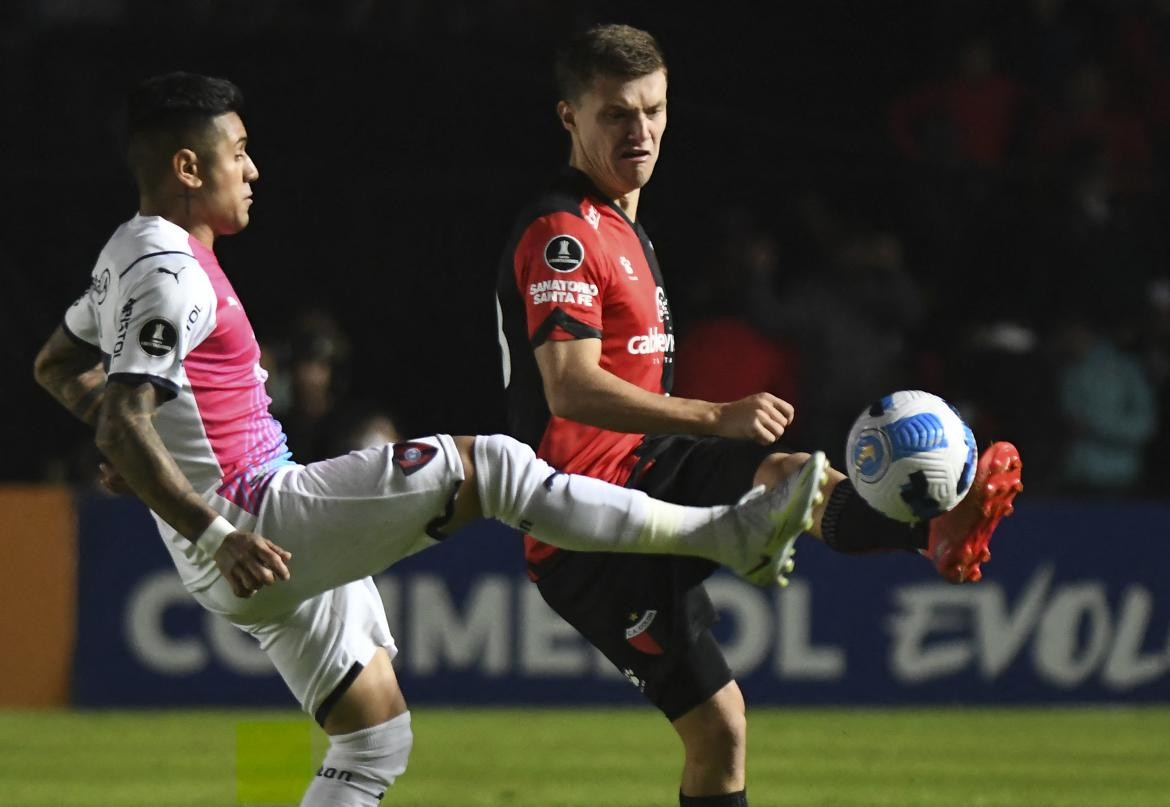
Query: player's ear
{"x": 185, "y": 165}
{"x": 567, "y": 115}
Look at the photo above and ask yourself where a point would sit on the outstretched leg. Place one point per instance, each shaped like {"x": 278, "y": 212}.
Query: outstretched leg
{"x": 506, "y": 481}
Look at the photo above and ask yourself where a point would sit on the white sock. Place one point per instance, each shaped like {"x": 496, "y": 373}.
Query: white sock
{"x": 588, "y": 515}
{"x": 359, "y": 766}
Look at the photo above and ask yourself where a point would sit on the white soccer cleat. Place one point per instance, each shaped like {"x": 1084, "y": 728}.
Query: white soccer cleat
{"x": 780, "y": 515}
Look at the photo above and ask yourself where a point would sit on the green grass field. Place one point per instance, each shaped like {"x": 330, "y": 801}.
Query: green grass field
{"x": 619, "y": 758}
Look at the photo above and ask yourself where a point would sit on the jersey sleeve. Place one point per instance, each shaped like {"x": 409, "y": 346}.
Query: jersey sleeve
{"x": 81, "y": 319}
{"x": 159, "y": 319}
{"x": 561, "y": 276}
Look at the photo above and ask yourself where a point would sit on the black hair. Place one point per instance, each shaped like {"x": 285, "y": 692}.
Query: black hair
{"x": 172, "y": 111}
{"x": 606, "y": 50}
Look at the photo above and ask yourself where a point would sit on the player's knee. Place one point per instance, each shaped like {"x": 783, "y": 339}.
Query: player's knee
{"x": 500, "y": 449}
{"x": 360, "y": 766}
{"x": 466, "y": 448}
{"x": 716, "y": 731}
{"x": 729, "y": 727}
{"x": 721, "y": 745}
{"x": 502, "y": 467}
{"x": 467, "y": 500}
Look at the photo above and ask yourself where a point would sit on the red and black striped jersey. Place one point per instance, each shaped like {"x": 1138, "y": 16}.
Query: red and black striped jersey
{"x": 576, "y": 267}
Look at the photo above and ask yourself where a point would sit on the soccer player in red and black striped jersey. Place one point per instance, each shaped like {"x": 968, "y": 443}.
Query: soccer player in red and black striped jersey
{"x": 589, "y": 351}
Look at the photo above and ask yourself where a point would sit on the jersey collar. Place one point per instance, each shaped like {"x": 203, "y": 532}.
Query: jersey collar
{"x": 580, "y": 182}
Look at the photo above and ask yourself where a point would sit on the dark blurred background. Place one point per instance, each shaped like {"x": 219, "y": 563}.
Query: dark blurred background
{"x": 853, "y": 197}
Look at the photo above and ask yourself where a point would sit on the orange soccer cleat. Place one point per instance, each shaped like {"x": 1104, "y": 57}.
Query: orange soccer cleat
{"x": 959, "y": 538}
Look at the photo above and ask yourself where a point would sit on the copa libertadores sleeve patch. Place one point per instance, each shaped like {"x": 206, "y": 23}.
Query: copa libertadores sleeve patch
{"x": 157, "y": 337}
{"x": 564, "y": 253}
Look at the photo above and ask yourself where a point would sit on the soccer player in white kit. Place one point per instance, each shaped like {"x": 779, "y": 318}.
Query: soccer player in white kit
{"x": 159, "y": 356}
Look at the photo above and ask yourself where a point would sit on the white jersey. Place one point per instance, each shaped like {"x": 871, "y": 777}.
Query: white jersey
{"x": 161, "y": 310}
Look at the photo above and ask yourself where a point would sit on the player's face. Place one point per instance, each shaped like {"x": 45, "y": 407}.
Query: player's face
{"x": 617, "y": 130}
{"x": 228, "y": 171}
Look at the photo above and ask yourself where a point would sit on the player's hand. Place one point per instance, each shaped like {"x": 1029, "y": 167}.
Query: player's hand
{"x": 111, "y": 481}
{"x": 249, "y": 562}
{"x": 761, "y": 417}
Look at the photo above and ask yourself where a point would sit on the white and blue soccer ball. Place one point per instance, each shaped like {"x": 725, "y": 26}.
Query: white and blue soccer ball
{"x": 911, "y": 456}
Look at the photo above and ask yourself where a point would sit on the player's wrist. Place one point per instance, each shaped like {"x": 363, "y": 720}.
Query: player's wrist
{"x": 211, "y": 539}
{"x": 710, "y": 416}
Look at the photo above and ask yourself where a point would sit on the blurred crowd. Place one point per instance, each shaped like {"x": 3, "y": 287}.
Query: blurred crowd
{"x": 990, "y": 228}
{"x": 1016, "y": 265}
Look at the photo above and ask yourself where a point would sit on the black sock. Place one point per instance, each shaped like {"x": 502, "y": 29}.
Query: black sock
{"x": 850, "y": 525}
{"x": 726, "y": 800}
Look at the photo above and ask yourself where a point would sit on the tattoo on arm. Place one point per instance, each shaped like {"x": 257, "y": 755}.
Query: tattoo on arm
{"x": 73, "y": 375}
{"x": 126, "y": 435}
{"x": 85, "y": 408}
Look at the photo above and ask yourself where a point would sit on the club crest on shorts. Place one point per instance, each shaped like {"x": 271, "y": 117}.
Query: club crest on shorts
{"x": 411, "y": 457}
{"x": 564, "y": 253}
{"x": 636, "y": 633}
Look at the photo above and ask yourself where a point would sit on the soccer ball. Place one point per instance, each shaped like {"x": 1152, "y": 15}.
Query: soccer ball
{"x": 911, "y": 456}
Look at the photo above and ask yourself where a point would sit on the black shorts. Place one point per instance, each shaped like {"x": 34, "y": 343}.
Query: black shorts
{"x": 650, "y": 614}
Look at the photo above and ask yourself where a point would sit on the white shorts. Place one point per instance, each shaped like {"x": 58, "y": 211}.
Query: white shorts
{"x": 343, "y": 520}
